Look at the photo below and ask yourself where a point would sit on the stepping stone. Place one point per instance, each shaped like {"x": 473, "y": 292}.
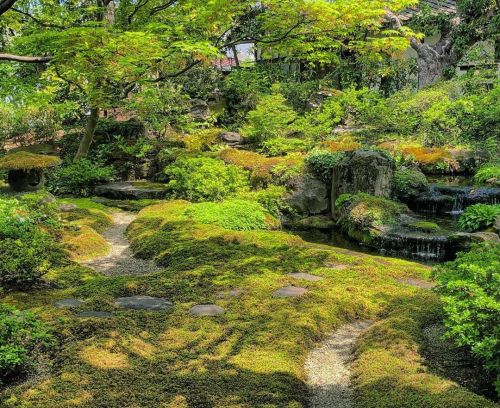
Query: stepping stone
{"x": 290, "y": 291}
{"x": 305, "y": 276}
{"x": 230, "y": 293}
{"x": 206, "y": 310}
{"x": 66, "y": 207}
{"x": 68, "y": 303}
{"x": 417, "y": 283}
{"x": 144, "y": 303}
{"x": 95, "y": 314}
{"x": 339, "y": 267}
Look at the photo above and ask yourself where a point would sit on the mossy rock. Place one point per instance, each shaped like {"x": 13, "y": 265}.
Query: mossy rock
{"x": 424, "y": 226}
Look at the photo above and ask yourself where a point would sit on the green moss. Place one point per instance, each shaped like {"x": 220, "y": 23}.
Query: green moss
{"x": 92, "y": 217}
{"x": 237, "y": 215}
{"x": 424, "y": 226}
{"x": 27, "y": 161}
{"x": 127, "y": 205}
{"x": 252, "y": 356}
{"x": 408, "y": 183}
{"x": 488, "y": 174}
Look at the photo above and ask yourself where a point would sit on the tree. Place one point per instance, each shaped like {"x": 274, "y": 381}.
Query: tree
{"x": 476, "y": 20}
{"x": 100, "y": 51}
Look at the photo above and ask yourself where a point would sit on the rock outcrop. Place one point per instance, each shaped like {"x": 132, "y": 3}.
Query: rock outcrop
{"x": 309, "y": 195}
{"x": 363, "y": 171}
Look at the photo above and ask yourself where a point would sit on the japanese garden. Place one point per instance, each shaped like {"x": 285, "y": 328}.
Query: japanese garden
{"x": 238, "y": 204}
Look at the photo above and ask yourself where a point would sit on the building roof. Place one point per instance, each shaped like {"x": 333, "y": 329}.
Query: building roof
{"x": 437, "y": 6}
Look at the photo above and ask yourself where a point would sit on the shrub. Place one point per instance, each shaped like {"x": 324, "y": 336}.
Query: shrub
{"x": 408, "y": 183}
{"x": 27, "y": 252}
{"x": 469, "y": 290}
{"x": 22, "y": 335}
{"x": 200, "y": 178}
{"x": 488, "y": 174}
{"x": 271, "y": 198}
{"x": 238, "y": 215}
{"x": 322, "y": 162}
{"x": 320, "y": 123}
{"x": 478, "y": 216}
{"x": 270, "y": 119}
{"x": 280, "y": 146}
{"x": 79, "y": 178}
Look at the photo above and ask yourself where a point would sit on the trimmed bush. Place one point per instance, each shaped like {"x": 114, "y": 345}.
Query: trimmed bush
{"x": 79, "y": 178}
{"x": 408, "y": 183}
{"x": 238, "y": 215}
{"x": 202, "y": 178}
{"x": 478, "y": 216}
{"x": 469, "y": 289}
{"x": 22, "y": 335}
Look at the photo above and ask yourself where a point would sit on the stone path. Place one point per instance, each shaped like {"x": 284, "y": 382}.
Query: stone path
{"x": 120, "y": 260}
{"x": 327, "y": 367}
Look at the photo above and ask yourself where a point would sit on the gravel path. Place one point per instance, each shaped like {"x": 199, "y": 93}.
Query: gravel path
{"x": 120, "y": 260}
{"x": 328, "y": 370}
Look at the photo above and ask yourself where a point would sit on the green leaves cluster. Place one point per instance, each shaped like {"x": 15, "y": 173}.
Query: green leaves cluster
{"x": 470, "y": 291}
{"x": 478, "y": 216}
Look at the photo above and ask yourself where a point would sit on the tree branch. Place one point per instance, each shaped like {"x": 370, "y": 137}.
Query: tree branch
{"x": 161, "y": 7}
{"x": 5, "y": 5}
{"x": 38, "y": 21}
{"x": 137, "y": 7}
{"x": 26, "y": 59}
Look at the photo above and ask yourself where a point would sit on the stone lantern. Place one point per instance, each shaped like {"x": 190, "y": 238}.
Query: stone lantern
{"x": 26, "y": 171}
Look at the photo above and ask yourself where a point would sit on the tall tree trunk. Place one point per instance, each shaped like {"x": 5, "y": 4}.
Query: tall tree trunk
{"x": 88, "y": 137}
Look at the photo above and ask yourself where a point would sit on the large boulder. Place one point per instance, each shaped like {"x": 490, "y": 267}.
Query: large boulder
{"x": 363, "y": 171}
{"x": 131, "y": 190}
{"x": 308, "y": 196}
{"x": 199, "y": 111}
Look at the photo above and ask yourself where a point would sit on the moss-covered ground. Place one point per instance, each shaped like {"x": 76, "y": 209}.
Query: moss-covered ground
{"x": 251, "y": 356}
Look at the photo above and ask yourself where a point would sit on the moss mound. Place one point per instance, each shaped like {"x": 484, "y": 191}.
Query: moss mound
{"x": 27, "y": 161}
{"x": 424, "y": 226}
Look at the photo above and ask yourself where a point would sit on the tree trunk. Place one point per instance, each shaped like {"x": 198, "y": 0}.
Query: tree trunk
{"x": 88, "y": 137}
{"x": 430, "y": 65}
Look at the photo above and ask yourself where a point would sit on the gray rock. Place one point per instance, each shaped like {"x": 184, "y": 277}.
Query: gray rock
{"x": 129, "y": 190}
{"x": 67, "y": 207}
{"x": 290, "y": 291}
{"x": 230, "y": 293}
{"x": 94, "y": 314}
{"x": 200, "y": 111}
{"x": 305, "y": 276}
{"x": 308, "y": 195}
{"x": 417, "y": 283}
{"x": 68, "y": 303}
{"x": 231, "y": 138}
{"x": 496, "y": 225}
{"x": 206, "y": 310}
{"x": 317, "y": 99}
{"x": 363, "y": 171}
{"x": 144, "y": 303}
{"x": 339, "y": 267}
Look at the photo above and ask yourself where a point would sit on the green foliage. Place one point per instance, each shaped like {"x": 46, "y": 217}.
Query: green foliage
{"x": 22, "y": 335}
{"x": 488, "y": 174}
{"x": 270, "y": 119}
{"x": 280, "y": 146}
{"x": 478, "y": 216}
{"x": 200, "y": 179}
{"x": 469, "y": 289}
{"x": 271, "y": 198}
{"x": 322, "y": 162}
{"x": 319, "y": 123}
{"x": 27, "y": 252}
{"x": 238, "y": 215}
{"x": 79, "y": 178}
{"x": 408, "y": 183}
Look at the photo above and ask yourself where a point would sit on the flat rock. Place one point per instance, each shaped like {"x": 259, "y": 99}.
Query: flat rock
{"x": 305, "y": 276}
{"x": 94, "y": 314}
{"x": 206, "y": 310}
{"x": 68, "y": 303}
{"x": 144, "y": 303}
{"x": 339, "y": 267}
{"x": 231, "y": 138}
{"x": 417, "y": 283}
{"x": 66, "y": 207}
{"x": 290, "y": 291}
{"x": 230, "y": 293}
{"x": 131, "y": 190}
